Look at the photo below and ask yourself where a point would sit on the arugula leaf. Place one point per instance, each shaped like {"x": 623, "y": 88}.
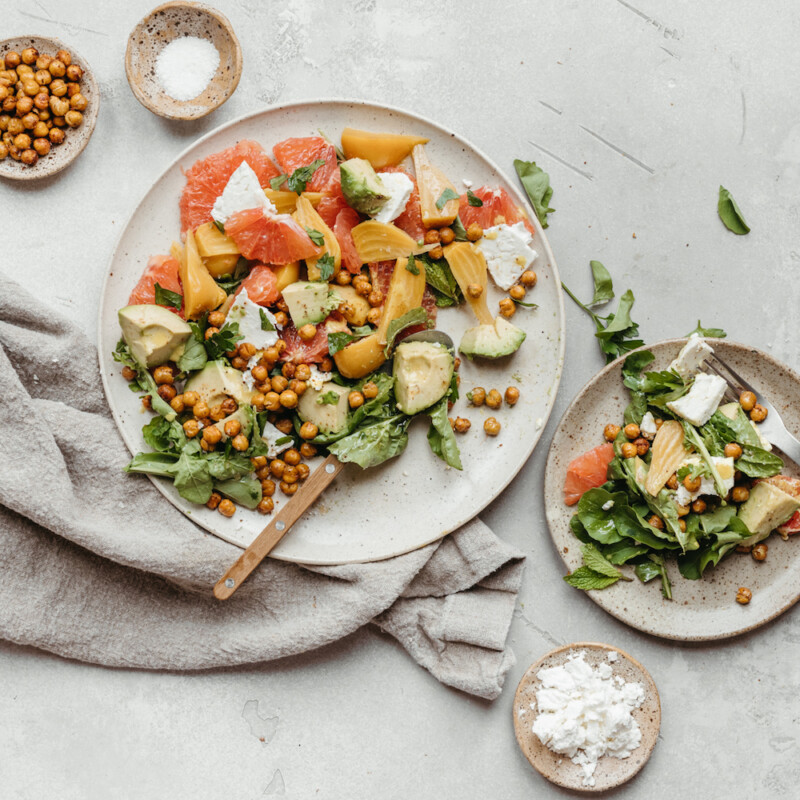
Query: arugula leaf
{"x": 693, "y": 437}
{"x": 330, "y": 398}
{"x": 447, "y": 194}
{"x": 302, "y": 175}
{"x": 441, "y": 437}
{"x": 277, "y": 182}
{"x": 603, "y": 285}
{"x": 459, "y": 230}
{"x": 245, "y": 491}
{"x": 339, "y": 340}
{"x": 654, "y": 567}
{"x": 326, "y": 266}
{"x": 164, "y": 436}
{"x": 416, "y": 316}
{"x": 710, "y": 333}
{"x": 596, "y": 561}
{"x": 192, "y": 475}
{"x": 473, "y": 199}
{"x": 223, "y": 341}
{"x": 194, "y": 354}
{"x": 315, "y": 236}
{"x": 162, "y": 464}
{"x": 536, "y": 183}
{"x": 729, "y": 213}
{"x": 164, "y": 297}
{"x": 411, "y": 265}
{"x": 266, "y": 324}
{"x": 228, "y": 464}
{"x": 373, "y": 444}
{"x": 586, "y": 579}
{"x": 756, "y": 462}
{"x": 692, "y": 565}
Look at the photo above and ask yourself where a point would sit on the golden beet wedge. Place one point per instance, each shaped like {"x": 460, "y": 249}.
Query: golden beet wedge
{"x": 469, "y": 269}
{"x": 200, "y": 292}
{"x": 433, "y": 185}
{"x": 380, "y": 149}
{"x": 307, "y": 217}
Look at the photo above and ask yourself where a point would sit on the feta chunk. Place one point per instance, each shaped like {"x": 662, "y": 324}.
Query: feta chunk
{"x": 691, "y": 357}
{"x": 702, "y": 400}
{"x": 648, "y": 426}
{"x": 250, "y": 317}
{"x": 318, "y": 377}
{"x": 271, "y": 435}
{"x": 399, "y": 187}
{"x": 608, "y": 505}
{"x": 242, "y": 191}
{"x": 507, "y": 251}
{"x": 725, "y": 468}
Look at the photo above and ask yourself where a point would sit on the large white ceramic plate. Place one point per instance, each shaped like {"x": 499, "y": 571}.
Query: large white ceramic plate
{"x": 414, "y": 499}
{"x": 700, "y": 610}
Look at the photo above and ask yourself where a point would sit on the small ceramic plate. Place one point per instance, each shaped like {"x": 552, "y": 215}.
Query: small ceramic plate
{"x": 161, "y": 26}
{"x": 610, "y": 771}
{"x": 700, "y": 610}
{"x": 60, "y": 156}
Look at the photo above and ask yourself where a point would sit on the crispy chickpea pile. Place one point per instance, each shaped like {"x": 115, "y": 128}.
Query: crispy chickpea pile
{"x": 40, "y": 98}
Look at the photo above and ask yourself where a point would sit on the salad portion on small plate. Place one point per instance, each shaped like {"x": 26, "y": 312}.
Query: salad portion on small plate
{"x": 684, "y": 492}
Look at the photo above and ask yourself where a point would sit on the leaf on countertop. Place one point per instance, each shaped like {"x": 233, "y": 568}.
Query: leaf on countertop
{"x": 730, "y": 214}
{"x": 710, "y": 333}
{"x": 536, "y": 183}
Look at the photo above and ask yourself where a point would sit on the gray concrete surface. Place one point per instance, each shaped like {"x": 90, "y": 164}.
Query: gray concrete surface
{"x": 638, "y": 110}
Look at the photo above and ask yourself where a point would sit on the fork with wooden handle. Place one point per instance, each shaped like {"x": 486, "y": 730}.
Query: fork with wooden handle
{"x": 279, "y": 526}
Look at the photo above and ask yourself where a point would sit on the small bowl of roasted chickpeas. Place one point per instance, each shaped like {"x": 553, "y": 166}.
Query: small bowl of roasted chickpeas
{"x": 48, "y": 106}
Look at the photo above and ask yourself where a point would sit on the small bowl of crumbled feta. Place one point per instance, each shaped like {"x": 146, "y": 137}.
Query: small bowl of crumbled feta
{"x": 183, "y": 60}
{"x": 587, "y": 716}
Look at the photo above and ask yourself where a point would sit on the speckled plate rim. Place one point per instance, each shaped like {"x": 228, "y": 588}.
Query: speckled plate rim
{"x": 435, "y": 535}
{"x": 553, "y": 483}
{"x": 627, "y": 769}
{"x": 50, "y": 164}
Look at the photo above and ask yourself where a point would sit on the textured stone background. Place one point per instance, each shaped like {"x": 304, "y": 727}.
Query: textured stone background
{"x": 638, "y": 110}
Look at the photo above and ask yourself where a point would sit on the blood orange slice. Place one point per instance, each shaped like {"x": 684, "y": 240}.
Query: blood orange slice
{"x": 496, "y": 202}
{"x": 270, "y": 238}
{"x": 162, "y": 270}
{"x": 206, "y": 179}
{"x": 586, "y": 472}
{"x": 332, "y": 200}
{"x": 291, "y": 154}
{"x": 380, "y": 273}
{"x": 261, "y": 285}
{"x": 346, "y": 220}
{"x": 300, "y": 352}
{"x": 411, "y": 219}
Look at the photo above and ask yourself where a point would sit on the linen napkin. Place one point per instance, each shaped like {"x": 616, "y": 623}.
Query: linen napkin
{"x": 96, "y": 565}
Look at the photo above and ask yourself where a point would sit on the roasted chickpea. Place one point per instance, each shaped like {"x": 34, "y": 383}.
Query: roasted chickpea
{"x": 436, "y": 253}
{"x": 642, "y": 446}
{"x": 57, "y": 68}
{"x": 432, "y": 237}
{"x": 343, "y": 277}
{"x": 73, "y": 118}
{"x": 260, "y": 373}
{"x": 517, "y": 292}
{"x": 272, "y": 354}
{"x": 74, "y": 73}
{"x": 656, "y": 522}
{"x": 201, "y": 409}
{"x": 507, "y": 307}
{"x": 374, "y": 316}
{"x": 40, "y": 130}
{"x": 167, "y": 392}
{"x": 446, "y": 235}
{"x": 29, "y": 121}
{"x": 288, "y": 370}
{"x": 474, "y": 290}
{"x": 58, "y": 88}
{"x": 682, "y": 525}
{"x": 307, "y": 332}
{"x": 672, "y": 482}
{"x": 611, "y": 431}
{"x": 699, "y": 506}
{"x": 375, "y": 298}
{"x": 307, "y": 450}
{"x": 258, "y": 462}
{"x": 177, "y": 404}
{"x": 266, "y": 506}
{"x": 128, "y": 373}
{"x": 692, "y": 484}
{"x": 628, "y": 450}
{"x": 272, "y": 401}
{"x": 267, "y": 487}
{"x": 22, "y": 140}
{"x": 290, "y": 474}
{"x": 191, "y": 428}
{"x": 43, "y": 62}
{"x": 759, "y": 551}
{"x": 491, "y": 426}
{"x": 29, "y": 157}
{"x": 303, "y": 471}
{"x": 25, "y": 106}
{"x": 190, "y": 398}
{"x": 240, "y": 442}
{"x": 289, "y": 399}
{"x": 292, "y": 456}
{"x": 759, "y": 413}
{"x": 364, "y": 288}
{"x": 9, "y": 104}
{"x": 43, "y": 77}
{"x": 214, "y": 501}
{"x": 298, "y": 387}
{"x": 739, "y": 494}
{"x": 281, "y": 318}
{"x": 280, "y": 346}
{"x": 747, "y": 400}
{"x": 147, "y": 402}
{"x": 163, "y": 374}
{"x": 247, "y": 350}
{"x": 302, "y": 372}
{"x": 232, "y": 428}
{"x": 632, "y": 431}
{"x": 474, "y": 232}
{"x": 743, "y": 596}
{"x": 227, "y": 508}
{"x": 528, "y": 278}
{"x": 212, "y": 434}
{"x": 288, "y": 488}
{"x": 12, "y": 59}
{"x": 511, "y": 395}
{"x": 493, "y": 399}
{"x": 355, "y": 399}
{"x": 461, "y": 425}
{"x": 59, "y": 106}
{"x": 3, "y": 150}
{"x": 215, "y": 318}
{"x": 326, "y": 365}
{"x": 29, "y": 55}
{"x": 64, "y": 57}
{"x": 733, "y": 450}
{"x": 56, "y": 136}
{"x": 279, "y": 383}
{"x": 477, "y": 396}
{"x": 369, "y": 390}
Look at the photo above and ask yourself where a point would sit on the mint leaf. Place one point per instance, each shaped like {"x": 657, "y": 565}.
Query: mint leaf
{"x": 586, "y": 579}
{"x": 301, "y": 176}
{"x": 596, "y": 561}
{"x": 315, "y": 236}
{"x": 276, "y": 183}
{"x": 164, "y": 297}
{"x": 730, "y": 214}
{"x": 339, "y": 340}
{"x": 330, "y": 398}
{"x": 536, "y": 183}
{"x": 411, "y": 265}
{"x": 473, "y": 199}
{"x": 266, "y": 325}
{"x": 459, "y": 230}
{"x": 416, "y": 316}
{"x": 603, "y": 285}
{"x": 711, "y": 333}
{"x": 326, "y": 266}
{"x": 447, "y": 194}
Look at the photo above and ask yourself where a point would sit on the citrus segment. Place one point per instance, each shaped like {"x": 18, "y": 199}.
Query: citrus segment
{"x": 268, "y": 238}
{"x": 291, "y": 154}
{"x": 261, "y": 285}
{"x": 411, "y": 219}
{"x": 586, "y": 472}
{"x": 302, "y": 352}
{"x": 496, "y": 203}
{"x": 162, "y": 270}
{"x": 346, "y": 220}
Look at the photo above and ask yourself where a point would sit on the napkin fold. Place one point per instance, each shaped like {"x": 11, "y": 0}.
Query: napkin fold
{"x": 96, "y": 565}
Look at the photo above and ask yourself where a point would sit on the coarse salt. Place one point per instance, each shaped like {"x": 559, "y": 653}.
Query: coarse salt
{"x": 585, "y": 713}
{"x": 185, "y": 67}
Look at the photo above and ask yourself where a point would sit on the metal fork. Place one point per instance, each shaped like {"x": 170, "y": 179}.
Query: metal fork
{"x": 772, "y": 428}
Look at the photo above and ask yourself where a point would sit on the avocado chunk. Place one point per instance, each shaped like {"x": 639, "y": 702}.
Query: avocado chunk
{"x": 327, "y": 407}
{"x": 492, "y": 341}
{"x": 422, "y": 373}
{"x": 765, "y": 509}
{"x": 361, "y": 186}
{"x": 153, "y": 333}
{"x": 309, "y": 301}
{"x": 216, "y": 382}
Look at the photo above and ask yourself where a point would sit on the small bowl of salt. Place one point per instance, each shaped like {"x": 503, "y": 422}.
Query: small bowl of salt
{"x": 183, "y": 60}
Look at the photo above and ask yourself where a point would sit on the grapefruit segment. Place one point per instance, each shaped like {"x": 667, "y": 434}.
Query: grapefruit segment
{"x": 269, "y": 238}
{"x": 346, "y": 220}
{"x": 496, "y": 202}
{"x": 261, "y": 285}
{"x": 162, "y": 270}
{"x": 298, "y": 351}
{"x": 206, "y": 179}
{"x": 587, "y": 472}
{"x": 411, "y": 219}
{"x": 291, "y": 154}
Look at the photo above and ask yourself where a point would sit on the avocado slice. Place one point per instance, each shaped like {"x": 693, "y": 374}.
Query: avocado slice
{"x": 310, "y": 301}
{"x": 492, "y": 341}
{"x": 765, "y": 509}
{"x": 154, "y": 334}
{"x": 330, "y": 417}
{"x": 361, "y": 186}
{"x": 422, "y": 373}
{"x": 217, "y": 381}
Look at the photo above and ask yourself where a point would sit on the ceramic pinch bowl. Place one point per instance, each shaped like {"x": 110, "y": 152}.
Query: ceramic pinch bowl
{"x": 559, "y": 769}
{"x": 163, "y": 25}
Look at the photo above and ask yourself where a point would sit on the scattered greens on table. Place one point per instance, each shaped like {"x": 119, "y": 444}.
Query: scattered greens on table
{"x": 730, "y": 214}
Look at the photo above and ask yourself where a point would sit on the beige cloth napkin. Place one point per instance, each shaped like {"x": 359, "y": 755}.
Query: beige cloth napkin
{"x": 96, "y": 565}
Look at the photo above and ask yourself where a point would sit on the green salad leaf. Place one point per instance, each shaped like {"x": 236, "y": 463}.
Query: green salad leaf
{"x": 755, "y": 462}
{"x": 447, "y": 194}
{"x": 411, "y": 265}
{"x": 603, "y": 285}
{"x": 192, "y": 474}
{"x": 223, "y": 341}
{"x": 441, "y": 438}
{"x": 587, "y": 579}
{"x": 416, "y": 316}
{"x": 709, "y": 333}
{"x": 730, "y": 214}
{"x": 278, "y": 181}
{"x": 442, "y": 282}
{"x": 330, "y": 398}
{"x": 246, "y": 491}
{"x": 194, "y": 354}
{"x": 473, "y": 199}
{"x": 230, "y": 283}
{"x": 340, "y": 339}
{"x": 459, "y": 230}
{"x": 326, "y": 265}
{"x": 373, "y": 443}
{"x": 302, "y": 175}
{"x": 164, "y": 297}
{"x": 536, "y": 183}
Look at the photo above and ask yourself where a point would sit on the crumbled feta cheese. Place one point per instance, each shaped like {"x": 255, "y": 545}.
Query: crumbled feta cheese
{"x": 242, "y": 191}
{"x": 608, "y": 505}
{"x": 507, "y": 251}
{"x": 702, "y": 400}
{"x": 648, "y": 426}
{"x": 399, "y": 187}
{"x": 725, "y": 469}
{"x": 585, "y": 713}
{"x": 249, "y": 316}
{"x": 691, "y": 357}
{"x": 466, "y": 183}
{"x": 271, "y": 435}
{"x": 247, "y": 378}
{"x": 318, "y": 378}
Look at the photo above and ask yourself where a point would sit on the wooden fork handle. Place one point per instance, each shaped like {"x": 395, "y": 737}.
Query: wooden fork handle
{"x": 278, "y": 527}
